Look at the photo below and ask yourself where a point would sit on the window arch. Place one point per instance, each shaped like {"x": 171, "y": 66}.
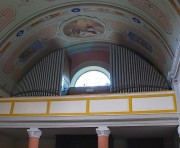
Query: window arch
{"x": 91, "y": 76}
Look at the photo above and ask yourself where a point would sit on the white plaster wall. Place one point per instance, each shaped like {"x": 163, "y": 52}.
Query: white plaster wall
{"x": 6, "y": 141}
{"x": 176, "y": 87}
{"x": 109, "y": 105}
{"x": 178, "y": 96}
{"x": 30, "y": 107}
{"x": 153, "y": 103}
{"x": 68, "y": 106}
{"x": 5, "y": 107}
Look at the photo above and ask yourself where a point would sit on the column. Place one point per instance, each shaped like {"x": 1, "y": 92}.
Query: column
{"x": 34, "y": 135}
{"x": 176, "y": 87}
{"x": 103, "y": 137}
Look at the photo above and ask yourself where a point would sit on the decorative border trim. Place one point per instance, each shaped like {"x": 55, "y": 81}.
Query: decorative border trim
{"x": 156, "y": 13}
{"x": 173, "y": 3}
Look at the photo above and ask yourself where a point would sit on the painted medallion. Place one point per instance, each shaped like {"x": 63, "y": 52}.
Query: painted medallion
{"x": 81, "y": 28}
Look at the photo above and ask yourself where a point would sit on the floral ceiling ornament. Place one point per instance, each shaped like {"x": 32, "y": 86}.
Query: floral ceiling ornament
{"x": 151, "y": 9}
{"x": 6, "y": 16}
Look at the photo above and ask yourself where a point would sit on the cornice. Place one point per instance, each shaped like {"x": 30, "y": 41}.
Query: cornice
{"x": 175, "y": 70}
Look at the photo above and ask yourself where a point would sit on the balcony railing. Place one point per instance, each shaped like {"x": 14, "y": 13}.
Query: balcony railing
{"x": 85, "y": 105}
{"x": 94, "y": 90}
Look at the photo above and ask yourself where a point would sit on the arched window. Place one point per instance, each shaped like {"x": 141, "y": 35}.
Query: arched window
{"x": 91, "y": 76}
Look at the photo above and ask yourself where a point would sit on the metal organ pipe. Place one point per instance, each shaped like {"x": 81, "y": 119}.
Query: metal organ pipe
{"x": 44, "y": 78}
{"x": 132, "y": 73}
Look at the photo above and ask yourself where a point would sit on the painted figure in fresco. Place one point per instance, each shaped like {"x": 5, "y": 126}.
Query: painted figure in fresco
{"x": 81, "y": 28}
{"x": 76, "y": 30}
{"x": 90, "y": 28}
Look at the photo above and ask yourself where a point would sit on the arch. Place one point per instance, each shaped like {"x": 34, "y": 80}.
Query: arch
{"x": 85, "y": 70}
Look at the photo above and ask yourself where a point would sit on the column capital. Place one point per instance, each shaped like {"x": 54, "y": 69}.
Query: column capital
{"x": 34, "y": 132}
{"x": 103, "y": 131}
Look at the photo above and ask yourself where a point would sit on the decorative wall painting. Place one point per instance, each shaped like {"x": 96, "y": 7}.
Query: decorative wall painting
{"x": 81, "y": 28}
{"x": 6, "y": 16}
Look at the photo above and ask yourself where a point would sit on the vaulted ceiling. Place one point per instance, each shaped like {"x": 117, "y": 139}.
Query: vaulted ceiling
{"x": 29, "y": 29}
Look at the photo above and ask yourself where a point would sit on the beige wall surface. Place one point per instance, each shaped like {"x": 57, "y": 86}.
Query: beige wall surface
{"x": 6, "y": 141}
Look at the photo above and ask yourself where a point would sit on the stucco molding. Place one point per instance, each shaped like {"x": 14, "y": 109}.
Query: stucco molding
{"x": 91, "y": 121}
{"x": 175, "y": 70}
{"x": 34, "y": 132}
{"x": 103, "y": 131}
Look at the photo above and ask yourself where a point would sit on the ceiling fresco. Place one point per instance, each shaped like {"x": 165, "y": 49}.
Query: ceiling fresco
{"x": 155, "y": 12}
{"x": 6, "y": 16}
{"x": 83, "y": 28}
{"x": 30, "y": 29}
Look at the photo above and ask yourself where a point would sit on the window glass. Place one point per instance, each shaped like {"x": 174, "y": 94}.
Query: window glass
{"x": 92, "y": 78}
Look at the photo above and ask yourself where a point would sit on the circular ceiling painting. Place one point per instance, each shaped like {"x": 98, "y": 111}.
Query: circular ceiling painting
{"x": 81, "y": 28}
